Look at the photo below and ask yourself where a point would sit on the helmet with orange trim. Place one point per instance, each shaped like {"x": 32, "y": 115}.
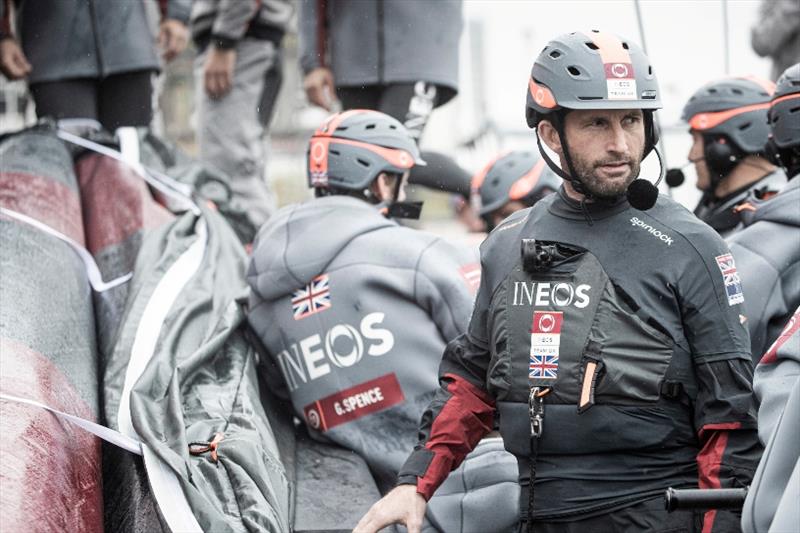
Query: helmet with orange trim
{"x": 512, "y": 176}
{"x": 784, "y": 110}
{"x": 352, "y": 148}
{"x": 590, "y": 70}
{"x": 731, "y": 115}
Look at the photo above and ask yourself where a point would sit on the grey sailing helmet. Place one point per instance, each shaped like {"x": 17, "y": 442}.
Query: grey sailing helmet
{"x": 593, "y": 70}
{"x": 519, "y": 175}
{"x": 784, "y": 110}
{"x": 734, "y": 109}
{"x": 352, "y": 148}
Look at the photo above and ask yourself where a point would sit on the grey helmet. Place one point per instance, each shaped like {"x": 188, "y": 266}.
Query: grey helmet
{"x": 731, "y": 110}
{"x": 592, "y": 70}
{"x": 518, "y": 175}
{"x": 784, "y": 110}
{"x": 352, "y": 148}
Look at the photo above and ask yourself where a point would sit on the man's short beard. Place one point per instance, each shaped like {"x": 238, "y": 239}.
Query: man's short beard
{"x": 600, "y": 187}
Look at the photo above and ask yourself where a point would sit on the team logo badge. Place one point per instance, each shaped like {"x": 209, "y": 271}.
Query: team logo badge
{"x": 730, "y": 277}
{"x": 313, "y": 298}
{"x": 545, "y": 344}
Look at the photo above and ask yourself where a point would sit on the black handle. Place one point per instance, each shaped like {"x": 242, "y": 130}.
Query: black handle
{"x": 680, "y": 499}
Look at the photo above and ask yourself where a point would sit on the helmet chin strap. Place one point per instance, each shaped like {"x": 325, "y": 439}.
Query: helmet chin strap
{"x": 572, "y": 177}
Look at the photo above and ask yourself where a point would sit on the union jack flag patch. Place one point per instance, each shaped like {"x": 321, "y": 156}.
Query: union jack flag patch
{"x": 730, "y": 277}
{"x": 313, "y": 298}
{"x": 543, "y": 367}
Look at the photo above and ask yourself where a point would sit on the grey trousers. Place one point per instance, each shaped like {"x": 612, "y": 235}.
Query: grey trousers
{"x": 230, "y": 129}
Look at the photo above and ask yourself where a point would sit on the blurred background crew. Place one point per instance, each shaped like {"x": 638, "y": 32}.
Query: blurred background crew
{"x": 91, "y": 59}
{"x": 728, "y": 124}
{"x": 777, "y": 34}
{"x": 237, "y": 79}
{"x": 767, "y": 250}
{"x": 512, "y": 181}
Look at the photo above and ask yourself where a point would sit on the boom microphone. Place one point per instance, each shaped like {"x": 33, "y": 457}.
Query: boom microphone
{"x": 675, "y": 177}
{"x": 641, "y": 193}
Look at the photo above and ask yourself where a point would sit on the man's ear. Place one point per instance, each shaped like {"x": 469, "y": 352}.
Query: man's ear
{"x": 550, "y": 136}
{"x": 381, "y": 187}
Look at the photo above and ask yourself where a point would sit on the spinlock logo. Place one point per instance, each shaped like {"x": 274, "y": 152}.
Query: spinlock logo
{"x": 341, "y": 346}
{"x": 551, "y": 294}
{"x": 651, "y": 230}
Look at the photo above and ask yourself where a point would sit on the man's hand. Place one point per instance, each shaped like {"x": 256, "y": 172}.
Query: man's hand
{"x": 218, "y": 71}
{"x": 402, "y": 505}
{"x": 13, "y": 63}
{"x": 172, "y": 38}
{"x": 319, "y": 87}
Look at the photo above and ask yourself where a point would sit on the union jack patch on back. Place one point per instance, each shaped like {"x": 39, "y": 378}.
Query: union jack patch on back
{"x": 313, "y": 298}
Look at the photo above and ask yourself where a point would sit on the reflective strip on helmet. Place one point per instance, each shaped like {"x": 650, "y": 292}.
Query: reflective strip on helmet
{"x": 707, "y": 121}
{"x": 524, "y": 185}
{"x": 541, "y": 95}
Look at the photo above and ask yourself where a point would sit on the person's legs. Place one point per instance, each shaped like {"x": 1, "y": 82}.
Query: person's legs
{"x": 230, "y": 128}
{"x": 126, "y": 99}
{"x": 364, "y": 97}
{"x": 66, "y": 99}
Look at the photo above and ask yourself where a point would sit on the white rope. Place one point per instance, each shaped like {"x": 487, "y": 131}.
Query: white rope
{"x": 92, "y": 270}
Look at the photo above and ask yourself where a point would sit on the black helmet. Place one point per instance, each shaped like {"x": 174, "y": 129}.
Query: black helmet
{"x": 731, "y": 111}
{"x": 518, "y": 175}
{"x": 590, "y": 70}
{"x": 784, "y": 109}
{"x": 783, "y": 147}
{"x": 352, "y": 148}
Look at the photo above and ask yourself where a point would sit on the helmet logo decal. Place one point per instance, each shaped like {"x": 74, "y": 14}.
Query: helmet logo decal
{"x": 318, "y": 162}
{"x": 620, "y": 70}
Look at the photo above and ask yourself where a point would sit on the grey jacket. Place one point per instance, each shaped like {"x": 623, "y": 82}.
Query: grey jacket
{"x": 355, "y": 312}
{"x": 89, "y": 38}
{"x": 777, "y": 34}
{"x": 228, "y": 21}
{"x": 382, "y": 41}
{"x": 767, "y": 254}
{"x": 771, "y": 504}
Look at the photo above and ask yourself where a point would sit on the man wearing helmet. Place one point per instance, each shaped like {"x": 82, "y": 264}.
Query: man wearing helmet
{"x": 354, "y": 309}
{"x": 510, "y": 182}
{"x": 728, "y": 121}
{"x": 768, "y": 248}
{"x": 606, "y": 336}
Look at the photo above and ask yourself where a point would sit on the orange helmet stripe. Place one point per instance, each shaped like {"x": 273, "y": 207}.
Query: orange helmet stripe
{"x": 319, "y": 146}
{"x": 706, "y": 121}
{"x": 784, "y": 98}
{"x": 333, "y": 121}
{"x": 524, "y": 185}
{"x": 478, "y": 179}
{"x": 609, "y": 47}
{"x": 541, "y": 95}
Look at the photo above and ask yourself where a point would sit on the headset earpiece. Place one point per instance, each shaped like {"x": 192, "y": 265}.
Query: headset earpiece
{"x": 721, "y": 155}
